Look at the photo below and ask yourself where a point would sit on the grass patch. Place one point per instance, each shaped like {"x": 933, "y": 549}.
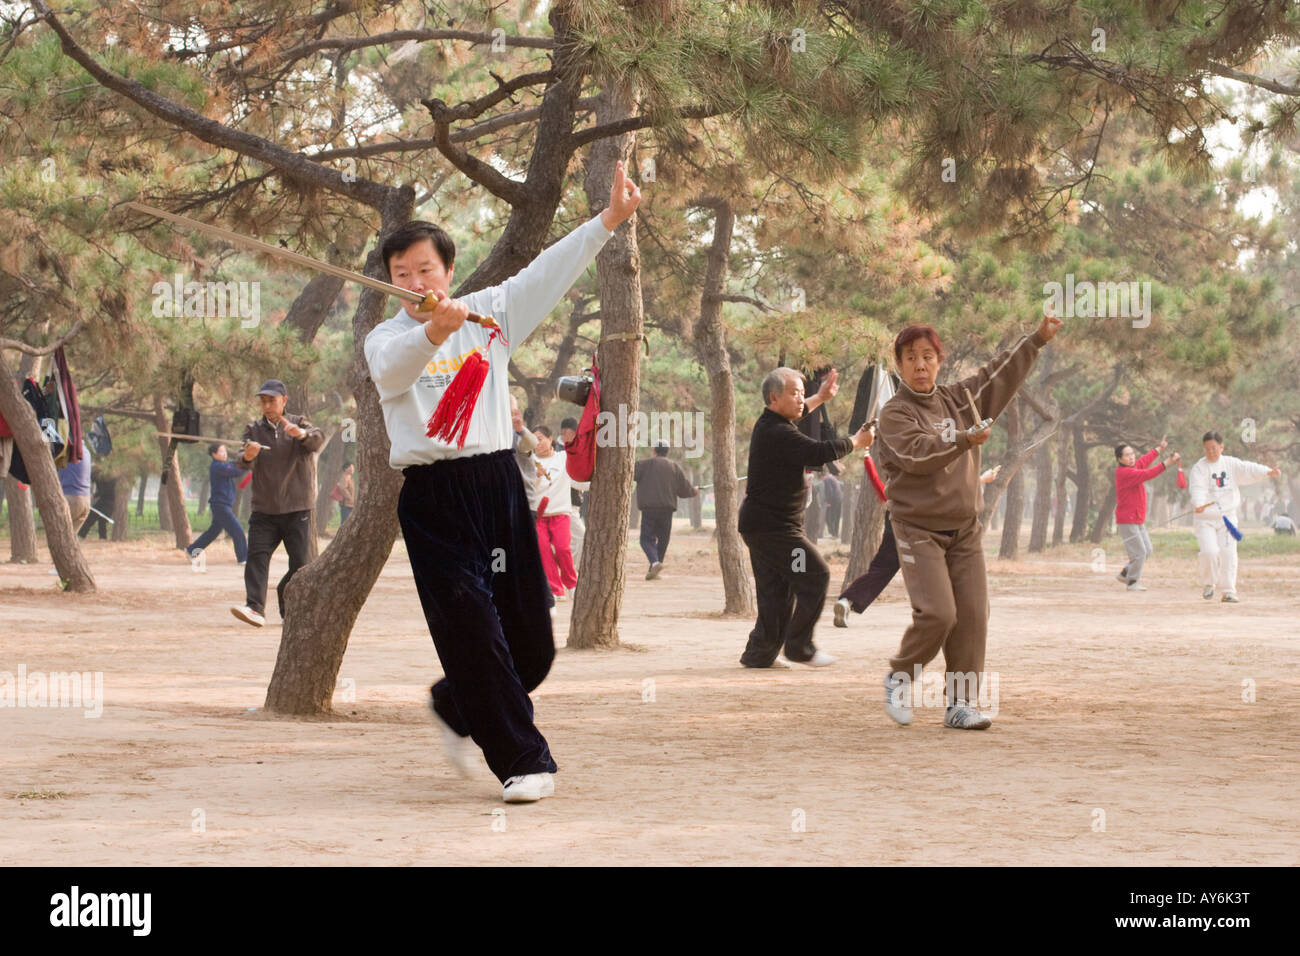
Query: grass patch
{"x": 39, "y": 795}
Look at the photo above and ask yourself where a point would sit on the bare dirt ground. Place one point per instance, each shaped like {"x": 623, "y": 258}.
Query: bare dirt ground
{"x": 1115, "y": 709}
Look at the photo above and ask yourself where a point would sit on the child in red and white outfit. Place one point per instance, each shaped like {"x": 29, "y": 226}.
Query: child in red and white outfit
{"x": 553, "y": 519}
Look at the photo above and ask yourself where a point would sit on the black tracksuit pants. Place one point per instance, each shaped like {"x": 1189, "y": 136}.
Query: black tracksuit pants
{"x": 473, "y": 550}
{"x": 265, "y": 532}
{"x": 656, "y": 529}
{"x": 881, "y": 571}
{"x": 790, "y": 582}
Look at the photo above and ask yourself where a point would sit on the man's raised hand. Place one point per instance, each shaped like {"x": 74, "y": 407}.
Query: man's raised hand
{"x": 829, "y": 386}
{"x": 624, "y": 197}
{"x": 1047, "y": 329}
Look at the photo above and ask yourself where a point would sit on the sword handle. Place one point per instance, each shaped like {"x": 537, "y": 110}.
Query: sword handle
{"x": 432, "y": 299}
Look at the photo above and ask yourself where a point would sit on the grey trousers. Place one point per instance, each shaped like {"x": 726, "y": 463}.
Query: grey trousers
{"x": 1137, "y": 543}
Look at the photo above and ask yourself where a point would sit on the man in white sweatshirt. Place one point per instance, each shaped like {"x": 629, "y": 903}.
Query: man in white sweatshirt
{"x": 462, "y": 509}
{"x": 1213, "y": 485}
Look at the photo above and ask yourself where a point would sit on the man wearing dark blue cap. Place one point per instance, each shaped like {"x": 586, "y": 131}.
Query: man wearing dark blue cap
{"x": 278, "y": 450}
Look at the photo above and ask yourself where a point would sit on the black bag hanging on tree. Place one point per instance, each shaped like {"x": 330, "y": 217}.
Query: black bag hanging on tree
{"x": 185, "y": 421}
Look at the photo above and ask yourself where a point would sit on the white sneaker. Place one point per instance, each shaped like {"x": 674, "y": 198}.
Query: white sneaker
{"x": 842, "y": 613}
{"x": 961, "y": 716}
{"x": 654, "y": 570}
{"x": 529, "y": 788}
{"x": 1208, "y": 592}
{"x": 820, "y": 659}
{"x": 248, "y": 615}
{"x": 462, "y": 752}
{"x": 898, "y": 699}
{"x": 1134, "y": 586}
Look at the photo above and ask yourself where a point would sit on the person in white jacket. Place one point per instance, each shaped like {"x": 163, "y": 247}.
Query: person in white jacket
{"x": 1213, "y": 485}
{"x": 462, "y": 509}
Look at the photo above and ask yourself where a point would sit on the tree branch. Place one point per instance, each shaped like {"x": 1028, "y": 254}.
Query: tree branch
{"x": 1273, "y": 86}
{"x": 619, "y": 127}
{"x": 292, "y": 166}
{"x": 345, "y": 44}
{"x": 19, "y": 346}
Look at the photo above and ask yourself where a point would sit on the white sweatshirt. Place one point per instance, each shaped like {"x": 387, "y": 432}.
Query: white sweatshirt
{"x": 1218, "y": 482}
{"x": 411, "y": 373}
{"x": 557, "y": 486}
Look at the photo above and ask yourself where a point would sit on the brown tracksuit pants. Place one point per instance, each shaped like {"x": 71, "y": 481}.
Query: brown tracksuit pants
{"x": 946, "y": 582}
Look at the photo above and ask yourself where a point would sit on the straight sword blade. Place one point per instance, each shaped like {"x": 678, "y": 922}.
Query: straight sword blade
{"x": 298, "y": 258}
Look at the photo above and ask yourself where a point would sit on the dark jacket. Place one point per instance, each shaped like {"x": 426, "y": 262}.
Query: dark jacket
{"x": 660, "y": 482}
{"x": 778, "y": 455}
{"x": 282, "y": 474}
{"x": 221, "y": 482}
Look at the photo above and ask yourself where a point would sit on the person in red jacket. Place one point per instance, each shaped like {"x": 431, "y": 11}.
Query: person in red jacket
{"x": 1131, "y": 476}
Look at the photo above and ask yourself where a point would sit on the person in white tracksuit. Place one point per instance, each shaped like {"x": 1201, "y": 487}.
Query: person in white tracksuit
{"x": 1213, "y": 486}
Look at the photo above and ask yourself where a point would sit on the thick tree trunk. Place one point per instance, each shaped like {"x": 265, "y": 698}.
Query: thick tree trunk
{"x": 171, "y": 494}
{"x": 1058, "y": 514}
{"x": 710, "y": 341}
{"x": 122, "y": 510}
{"x": 1042, "y": 498}
{"x": 22, "y": 523}
{"x": 1082, "y": 484}
{"x": 1101, "y": 527}
{"x": 60, "y": 535}
{"x": 599, "y": 596}
{"x": 323, "y": 599}
{"x": 868, "y": 529}
{"x": 1015, "y": 493}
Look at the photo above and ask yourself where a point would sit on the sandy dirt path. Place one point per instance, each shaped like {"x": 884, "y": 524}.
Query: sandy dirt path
{"x": 1109, "y": 703}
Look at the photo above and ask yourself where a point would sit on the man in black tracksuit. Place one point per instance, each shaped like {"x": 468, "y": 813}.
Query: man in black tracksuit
{"x": 790, "y": 576}
{"x": 278, "y": 450}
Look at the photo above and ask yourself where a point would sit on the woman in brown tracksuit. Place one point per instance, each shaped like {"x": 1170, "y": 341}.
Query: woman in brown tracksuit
{"x": 930, "y": 460}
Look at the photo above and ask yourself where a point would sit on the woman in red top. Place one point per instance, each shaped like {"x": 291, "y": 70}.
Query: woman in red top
{"x": 1131, "y": 506}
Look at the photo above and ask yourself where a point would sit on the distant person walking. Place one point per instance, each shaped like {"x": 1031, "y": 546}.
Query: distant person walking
{"x": 659, "y": 483}
{"x": 222, "y": 475}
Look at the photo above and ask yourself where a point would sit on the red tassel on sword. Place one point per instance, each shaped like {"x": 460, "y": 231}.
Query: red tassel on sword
{"x": 450, "y": 420}
{"x": 875, "y": 477}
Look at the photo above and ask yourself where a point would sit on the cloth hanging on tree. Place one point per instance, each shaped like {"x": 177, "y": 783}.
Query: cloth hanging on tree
{"x": 71, "y": 408}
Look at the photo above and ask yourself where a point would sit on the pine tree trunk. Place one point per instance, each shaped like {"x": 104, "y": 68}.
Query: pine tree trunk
{"x": 1042, "y": 498}
{"x": 599, "y": 596}
{"x": 1082, "y": 484}
{"x": 868, "y": 529}
{"x": 710, "y": 341}
{"x": 1015, "y": 493}
{"x": 1101, "y": 527}
{"x": 60, "y": 535}
{"x": 696, "y": 504}
{"x": 144, "y": 485}
{"x": 122, "y": 510}
{"x": 323, "y": 599}
{"x": 171, "y": 493}
{"x": 22, "y": 523}
{"x": 1058, "y": 516}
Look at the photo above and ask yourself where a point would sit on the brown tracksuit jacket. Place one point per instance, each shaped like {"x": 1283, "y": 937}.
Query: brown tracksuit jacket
{"x": 931, "y": 480}
{"x": 282, "y": 475}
